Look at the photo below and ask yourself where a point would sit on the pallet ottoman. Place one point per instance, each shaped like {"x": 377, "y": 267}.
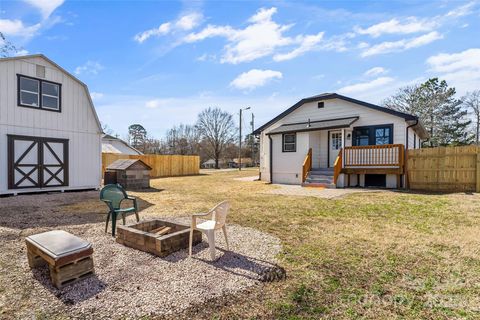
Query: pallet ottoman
{"x": 69, "y": 257}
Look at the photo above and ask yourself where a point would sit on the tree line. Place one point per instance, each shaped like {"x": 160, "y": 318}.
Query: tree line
{"x": 213, "y": 136}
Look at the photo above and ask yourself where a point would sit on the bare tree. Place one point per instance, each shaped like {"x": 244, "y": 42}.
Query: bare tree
{"x": 217, "y": 130}
{"x": 6, "y": 47}
{"x": 183, "y": 139}
{"x": 472, "y": 104}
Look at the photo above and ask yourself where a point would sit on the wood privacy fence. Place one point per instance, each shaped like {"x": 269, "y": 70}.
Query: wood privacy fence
{"x": 162, "y": 165}
{"x": 444, "y": 169}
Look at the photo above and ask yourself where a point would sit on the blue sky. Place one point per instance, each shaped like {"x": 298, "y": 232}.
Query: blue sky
{"x": 160, "y": 63}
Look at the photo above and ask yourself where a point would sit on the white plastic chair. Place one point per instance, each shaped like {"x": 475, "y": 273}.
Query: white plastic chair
{"x": 216, "y": 220}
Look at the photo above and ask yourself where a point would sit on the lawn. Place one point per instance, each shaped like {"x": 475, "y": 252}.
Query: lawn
{"x": 372, "y": 255}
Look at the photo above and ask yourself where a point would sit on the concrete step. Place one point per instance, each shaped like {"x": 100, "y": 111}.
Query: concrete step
{"x": 321, "y": 176}
{"x": 319, "y": 185}
{"x": 317, "y": 180}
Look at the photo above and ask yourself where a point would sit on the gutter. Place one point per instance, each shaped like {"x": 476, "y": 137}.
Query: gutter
{"x": 271, "y": 159}
{"x": 406, "y": 151}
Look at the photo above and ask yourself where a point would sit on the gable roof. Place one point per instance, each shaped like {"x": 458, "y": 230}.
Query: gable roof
{"x": 124, "y": 164}
{"x": 329, "y": 96}
{"x": 108, "y": 148}
{"x": 39, "y": 55}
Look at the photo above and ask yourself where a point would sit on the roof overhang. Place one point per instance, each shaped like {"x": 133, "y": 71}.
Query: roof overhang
{"x": 338, "y": 123}
{"x": 330, "y": 96}
{"x": 417, "y": 125}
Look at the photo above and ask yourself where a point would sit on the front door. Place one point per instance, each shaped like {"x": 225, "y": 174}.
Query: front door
{"x": 37, "y": 162}
{"x": 335, "y": 144}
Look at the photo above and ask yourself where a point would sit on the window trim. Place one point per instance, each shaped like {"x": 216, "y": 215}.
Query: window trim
{"x": 40, "y": 94}
{"x": 294, "y": 143}
{"x": 371, "y": 135}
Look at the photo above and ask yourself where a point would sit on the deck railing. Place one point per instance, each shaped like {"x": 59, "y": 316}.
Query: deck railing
{"x": 307, "y": 165}
{"x": 388, "y": 155}
{"x": 337, "y": 167}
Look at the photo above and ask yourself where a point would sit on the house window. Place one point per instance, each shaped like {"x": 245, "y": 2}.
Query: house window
{"x": 382, "y": 136}
{"x": 37, "y": 93}
{"x": 373, "y": 135}
{"x": 336, "y": 141}
{"x": 361, "y": 137}
{"x": 289, "y": 142}
{"x": 321, "y": 105}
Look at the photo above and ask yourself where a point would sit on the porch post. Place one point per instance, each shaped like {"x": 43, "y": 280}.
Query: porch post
{"x": 343, "y": 145}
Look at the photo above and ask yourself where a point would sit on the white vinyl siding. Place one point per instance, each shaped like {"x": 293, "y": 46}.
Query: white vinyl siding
{"x": 287, "y": 167}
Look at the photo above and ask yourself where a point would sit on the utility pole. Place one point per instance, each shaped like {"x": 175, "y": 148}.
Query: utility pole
{"x": 252, "y": 141}
{"x": 240, "y": 140}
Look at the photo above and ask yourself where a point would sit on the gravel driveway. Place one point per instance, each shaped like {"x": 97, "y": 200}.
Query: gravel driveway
{"x": 128, "y": 283}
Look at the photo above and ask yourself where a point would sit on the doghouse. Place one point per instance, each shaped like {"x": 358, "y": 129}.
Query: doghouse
{"x": 130, "y": 173}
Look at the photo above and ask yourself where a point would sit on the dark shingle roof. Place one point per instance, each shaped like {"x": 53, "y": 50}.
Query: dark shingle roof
{"x": 124, "y": 164}
{"x": 328, "y": 96}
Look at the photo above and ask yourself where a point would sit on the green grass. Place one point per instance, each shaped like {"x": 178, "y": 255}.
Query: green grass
{"x": 368, "y": 255}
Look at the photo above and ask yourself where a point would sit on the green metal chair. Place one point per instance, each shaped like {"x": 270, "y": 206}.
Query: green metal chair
{"x": 113, "y": 195}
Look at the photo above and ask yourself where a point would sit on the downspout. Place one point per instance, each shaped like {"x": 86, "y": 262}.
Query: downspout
{"x": 405, "y": 153}
{"x": 271, "y": 159}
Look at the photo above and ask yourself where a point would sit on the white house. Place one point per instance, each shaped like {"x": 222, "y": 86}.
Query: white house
{"x": 50, "y": 135}
{"x": 334, "y": 140}
{"x": 112, "y": 144}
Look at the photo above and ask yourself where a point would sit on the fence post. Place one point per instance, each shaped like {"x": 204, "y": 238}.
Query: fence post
{"x": 477, "y": 173}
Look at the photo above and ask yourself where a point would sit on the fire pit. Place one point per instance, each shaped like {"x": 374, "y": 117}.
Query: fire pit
{"x": 158, "y": 237}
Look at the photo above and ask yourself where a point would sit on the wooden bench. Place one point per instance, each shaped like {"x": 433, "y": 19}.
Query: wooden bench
{"x": 69, "y": 258}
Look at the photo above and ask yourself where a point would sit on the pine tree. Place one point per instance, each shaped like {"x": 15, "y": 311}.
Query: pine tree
{"x": 440, "y": 112}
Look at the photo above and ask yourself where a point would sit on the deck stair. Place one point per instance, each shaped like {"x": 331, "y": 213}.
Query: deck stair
{"x": 320, "y": 178}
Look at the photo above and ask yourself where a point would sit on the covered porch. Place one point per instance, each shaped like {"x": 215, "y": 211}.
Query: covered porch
{"x": 336, "y": 153}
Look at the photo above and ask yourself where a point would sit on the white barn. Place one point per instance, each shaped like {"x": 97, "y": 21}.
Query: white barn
{"x": 50, "y": 135}
{"x": 331, "y": 140}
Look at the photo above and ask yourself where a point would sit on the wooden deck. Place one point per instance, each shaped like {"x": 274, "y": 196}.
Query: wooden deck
{"x": 382, "y": 159}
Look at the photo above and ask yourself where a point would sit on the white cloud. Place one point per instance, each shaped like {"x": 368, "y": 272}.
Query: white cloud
{"x": 96, "y": 95}
{"x": 401, "y": 45}
{"x": 263, "y": 37}
{"x": 183, "y": 23}
{"x": 16, "y": 28}
{"x": 461, "y": 69}
{"x": 163, "y": 29}
{"x": 375, "y": 71}
{"x": 89, "y": 67}
{"x": 46, "y": 7}
{"x": 189, "y": 21}
{"x": 394, "y": 26}
{"x": 254, "y": 78}
{"x": 365, "y": 86}
{"x": 307, "y": 43}
{"x": 462, "y": 10}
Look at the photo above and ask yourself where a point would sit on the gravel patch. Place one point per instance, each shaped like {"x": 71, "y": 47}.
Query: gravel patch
{"x": 128, "y": 283}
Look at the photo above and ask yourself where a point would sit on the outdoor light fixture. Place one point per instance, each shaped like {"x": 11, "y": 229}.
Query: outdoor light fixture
{"x": 349, "y": 136}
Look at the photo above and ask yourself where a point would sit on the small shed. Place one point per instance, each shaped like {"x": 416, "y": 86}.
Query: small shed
{"x": 130, "y": 173}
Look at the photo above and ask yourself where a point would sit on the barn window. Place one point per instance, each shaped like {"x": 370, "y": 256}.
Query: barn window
{"x": 29, "y": 92}
{"x": 50, "y": 95}
{"x": 38, "y": 93}
{"x": 289, "y": 142}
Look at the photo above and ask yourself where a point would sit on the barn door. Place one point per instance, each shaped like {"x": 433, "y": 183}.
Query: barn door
{"x": 36, "y": 162}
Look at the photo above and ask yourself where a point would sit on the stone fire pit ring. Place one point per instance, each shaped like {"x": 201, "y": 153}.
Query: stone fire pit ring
{"x": 147, "y": 236}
